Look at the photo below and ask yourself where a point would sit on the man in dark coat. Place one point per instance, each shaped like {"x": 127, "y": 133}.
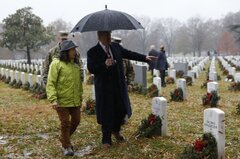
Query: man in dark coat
{"x": 162, "y": 65}
{"x": 152, "y": 63}
{"x": 112, "y": 102}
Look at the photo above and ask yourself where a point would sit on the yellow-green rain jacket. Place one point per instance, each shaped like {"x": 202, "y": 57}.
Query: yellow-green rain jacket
{"x": 64, "y": 84}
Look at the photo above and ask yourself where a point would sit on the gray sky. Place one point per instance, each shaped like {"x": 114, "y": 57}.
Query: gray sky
{"x": 73, "y": 10}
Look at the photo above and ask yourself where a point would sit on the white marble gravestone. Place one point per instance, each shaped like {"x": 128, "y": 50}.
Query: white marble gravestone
{"x": 172, "y": 73}
{"x": 155, "y": 73}
{"x": 30, "y": 79}
{"x": 237, "y": 77}
{"x": 2, "y": 71}
{"x": 213, "y": 76}
{"x": 191, "y": 74}
{"x": 214, "y": 124}
{"x": 157, "y": 82}
{"x": 11, "y": 75}
{"x": 6, "y": 73}
{"x": 212, "y": 86}
{"x": 17, "y": 75}
{"x": 39, "y": 79}
{"x": 23, "y": 78}
{"x": 159, "y": 108}
{"x": 181, "y": 83}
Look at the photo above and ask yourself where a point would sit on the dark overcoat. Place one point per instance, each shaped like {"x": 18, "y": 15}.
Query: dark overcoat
{"x": 103, "y": 79}
{"x": 162, "y": 63}
{"x": 152, "y": 63}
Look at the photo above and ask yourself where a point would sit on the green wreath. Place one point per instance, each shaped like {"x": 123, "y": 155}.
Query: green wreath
{"x": 152, "y": 91}
{"x": 206, "y": 147}
{"x": 90, "y": 107}
{"x": 150, "y": 126}
{"x": 177, "y": 95}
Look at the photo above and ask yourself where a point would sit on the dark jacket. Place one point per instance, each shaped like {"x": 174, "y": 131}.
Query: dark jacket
{"x": 152, "y": 63}
{"x": 162, "y": 63}
{"x": 106, "y": 81}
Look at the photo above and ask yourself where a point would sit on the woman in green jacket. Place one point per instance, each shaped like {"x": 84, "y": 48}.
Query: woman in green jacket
{"x": 64, "y": 90}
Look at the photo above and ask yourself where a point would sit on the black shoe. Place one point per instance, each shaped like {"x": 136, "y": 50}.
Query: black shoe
{"x": 118, "y": 136}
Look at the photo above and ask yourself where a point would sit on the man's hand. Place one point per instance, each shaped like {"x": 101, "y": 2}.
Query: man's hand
{"x": 109, "y": 62}
{"x": 150, "y": 58}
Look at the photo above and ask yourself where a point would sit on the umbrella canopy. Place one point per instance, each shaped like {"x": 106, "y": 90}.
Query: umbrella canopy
{"x": 107, "y": 20}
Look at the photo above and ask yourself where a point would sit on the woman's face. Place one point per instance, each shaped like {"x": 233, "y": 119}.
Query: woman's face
{"x": 72, "y": 53}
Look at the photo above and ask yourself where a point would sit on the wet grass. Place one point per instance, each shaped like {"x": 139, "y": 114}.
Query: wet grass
{"x": 22, "y": 117}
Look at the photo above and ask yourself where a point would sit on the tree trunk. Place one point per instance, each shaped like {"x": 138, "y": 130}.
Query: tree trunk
{"x": 28, "y": 56}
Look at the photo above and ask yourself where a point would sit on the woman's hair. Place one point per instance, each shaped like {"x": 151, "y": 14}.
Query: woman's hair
{"x": 64, "y": 56}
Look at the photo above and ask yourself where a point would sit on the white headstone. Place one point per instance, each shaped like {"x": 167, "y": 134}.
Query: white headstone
{"x": 213, "y": 76}
{"x": 214, "y": 124}
{"x": 16, "y": 75}
{"x": 212, "y": 86}
{"x": 157, "y": 82}
{"x": 30, "y": 79}
{"x": 155, "y": 73}
{"x": 191, "y": 74}
{"x": 2, "y": 71}
{"x": 172, "y": 73}
{"x": 232, "y": 71}
{"x": 23, "y": 77}
{"x": 11, "y": 75}
{"x": 181, "y": 83}
{"x": 159, "y": 108}
{"x": 39, "y": 79}
{"x": 7, "y": 73}
{"x": 41, "y": 70}
{"x": 237, "y": 77}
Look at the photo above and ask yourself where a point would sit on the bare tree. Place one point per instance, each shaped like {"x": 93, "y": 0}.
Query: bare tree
{"x": 196, "y": 34}
{"x": 167, "y": 29}
{"x": 182, "y": 42}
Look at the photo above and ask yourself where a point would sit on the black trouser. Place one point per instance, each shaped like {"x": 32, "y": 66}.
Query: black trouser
{"x": 114, "y": 124}
{"x": 162, "y": 76}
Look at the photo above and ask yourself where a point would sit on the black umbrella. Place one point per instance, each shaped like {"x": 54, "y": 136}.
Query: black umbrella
{"x": 107, "y": 20}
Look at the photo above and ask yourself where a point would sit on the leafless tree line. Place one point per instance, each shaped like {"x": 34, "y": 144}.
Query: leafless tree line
{"x": 196, "y": 36}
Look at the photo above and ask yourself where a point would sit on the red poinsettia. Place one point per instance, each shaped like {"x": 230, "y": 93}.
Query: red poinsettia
{"x": 152, "y": 119}
{"x": 199, "y": 145}
{"x": 177, "y": 93}
{"x": 209, "y": 97}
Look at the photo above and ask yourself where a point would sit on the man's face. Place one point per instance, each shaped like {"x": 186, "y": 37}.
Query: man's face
{"x": 104, "y": 37}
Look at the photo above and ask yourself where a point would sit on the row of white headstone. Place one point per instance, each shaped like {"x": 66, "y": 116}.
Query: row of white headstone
{"x": 231, "y": 70}
{"x": 181, "y": 82}
{"x": 20, "y": 76}
{"x": 19, "y": 65}
{"x": 213, "y": 122}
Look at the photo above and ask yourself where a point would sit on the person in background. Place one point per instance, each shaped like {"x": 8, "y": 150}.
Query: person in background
{"x": 104, "y": 60}
{"x": 64, "y": 91}
{"x": 55, "y": 53}
{"x": 127, "y": 67}
{"x": 152, "y": 63}
{"x": 162, "y": 65}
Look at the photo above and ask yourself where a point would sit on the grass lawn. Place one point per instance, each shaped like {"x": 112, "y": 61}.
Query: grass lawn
{"x": 29, "y": 127}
